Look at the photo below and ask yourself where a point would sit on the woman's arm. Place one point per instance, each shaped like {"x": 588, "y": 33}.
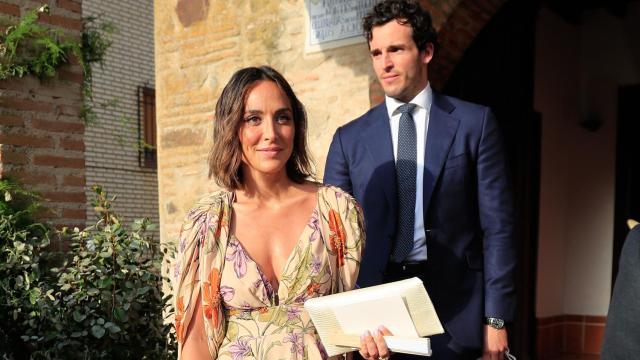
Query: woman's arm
{"x": 201, "y": 248}
{"x": 195, "y": 341}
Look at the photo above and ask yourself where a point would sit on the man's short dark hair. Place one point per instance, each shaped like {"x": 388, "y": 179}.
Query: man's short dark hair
{"x": 406, "y": 12}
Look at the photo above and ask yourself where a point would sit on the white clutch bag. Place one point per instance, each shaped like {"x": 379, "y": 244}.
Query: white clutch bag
{"x": 403, "y": 307}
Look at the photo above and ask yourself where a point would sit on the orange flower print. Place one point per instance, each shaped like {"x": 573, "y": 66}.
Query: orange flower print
{"x": 337, "y": 236}
{"x": 179, "y": 316}
{"x": 313, "y": 288}
{"x": 211, "y": 296}
{"x": 222, "y": 221}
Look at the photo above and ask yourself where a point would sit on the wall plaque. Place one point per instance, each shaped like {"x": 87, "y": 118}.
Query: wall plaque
{"x": 334, "y": 23}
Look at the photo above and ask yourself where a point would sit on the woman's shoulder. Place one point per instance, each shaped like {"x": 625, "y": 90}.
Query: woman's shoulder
{"x": 211, "y": 202}
{"x": 335, "y": 195}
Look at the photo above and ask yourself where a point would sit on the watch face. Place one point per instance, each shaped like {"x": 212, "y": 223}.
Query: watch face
{"x": 495, "y": 323}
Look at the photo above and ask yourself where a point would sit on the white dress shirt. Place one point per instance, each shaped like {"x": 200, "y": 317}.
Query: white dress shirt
{"x": 421, "y": 118}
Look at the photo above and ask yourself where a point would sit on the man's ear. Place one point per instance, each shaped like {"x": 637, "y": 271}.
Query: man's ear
{"x": 632, "y": 223}
{"x": 427, "y": 54}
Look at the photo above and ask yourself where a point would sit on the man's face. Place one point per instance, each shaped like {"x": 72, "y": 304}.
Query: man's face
{"x": 400, "y": 67}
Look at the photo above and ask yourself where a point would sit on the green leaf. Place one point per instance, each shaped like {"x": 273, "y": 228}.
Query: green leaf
{"x": 93, "y": 292}
{"x": 97, "y": 331}
{"x": 113, "y": 328}
{"x": 106, "y": 283}
{"x": 34, "y": 295}
{"x": 78, "y": 317}
{"x": 143, "y": 290}
{"x": 119, "y": 314}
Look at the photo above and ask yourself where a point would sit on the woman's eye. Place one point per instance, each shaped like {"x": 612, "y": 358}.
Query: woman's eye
{"x": 252, "y": 120}
{"x": 283, "y": 118}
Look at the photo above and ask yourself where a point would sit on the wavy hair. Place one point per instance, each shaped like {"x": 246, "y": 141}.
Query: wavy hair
{"x": 405, "y": 12}
{"x": 225, "y": 157}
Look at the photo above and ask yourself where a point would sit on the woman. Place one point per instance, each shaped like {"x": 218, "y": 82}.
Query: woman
{"x": 251, "y": 254}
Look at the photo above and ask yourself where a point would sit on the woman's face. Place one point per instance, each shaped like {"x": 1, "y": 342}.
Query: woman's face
{"x": 267, "y": 131}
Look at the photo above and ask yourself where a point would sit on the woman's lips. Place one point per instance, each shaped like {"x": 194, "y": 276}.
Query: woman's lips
{"x": 271, "y": 151}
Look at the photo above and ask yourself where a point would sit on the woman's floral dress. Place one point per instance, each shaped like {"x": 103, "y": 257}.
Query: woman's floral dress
{"x": 244, "y": 317}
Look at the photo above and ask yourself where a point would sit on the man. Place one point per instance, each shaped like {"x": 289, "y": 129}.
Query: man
{"x": 430, "y": 173}
{"x": 623, "y": 319}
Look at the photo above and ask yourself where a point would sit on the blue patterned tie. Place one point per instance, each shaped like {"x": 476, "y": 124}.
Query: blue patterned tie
{"x": 406, "y": 177}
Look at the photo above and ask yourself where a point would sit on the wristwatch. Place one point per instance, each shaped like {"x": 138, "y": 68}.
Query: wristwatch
{"x": 495, "y": 323}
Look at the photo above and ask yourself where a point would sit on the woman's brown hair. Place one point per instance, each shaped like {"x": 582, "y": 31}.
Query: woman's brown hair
{"x": 225, "y": 157}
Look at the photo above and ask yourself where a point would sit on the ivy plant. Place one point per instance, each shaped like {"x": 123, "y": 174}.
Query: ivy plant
{"x": 29, "y": 48}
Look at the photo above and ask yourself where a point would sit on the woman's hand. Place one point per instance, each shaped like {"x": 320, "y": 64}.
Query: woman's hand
{"x": 373, "y": 346}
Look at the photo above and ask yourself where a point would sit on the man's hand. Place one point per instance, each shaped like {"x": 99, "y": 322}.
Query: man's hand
{"x": 495, "y": 343}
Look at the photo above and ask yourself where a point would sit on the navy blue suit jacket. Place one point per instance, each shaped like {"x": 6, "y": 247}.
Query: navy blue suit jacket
{"x": 468, "y": 212}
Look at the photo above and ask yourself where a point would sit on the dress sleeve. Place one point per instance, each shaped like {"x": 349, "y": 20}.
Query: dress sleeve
{"x": 344, "y": 220}
{"x": 197, "y": 269}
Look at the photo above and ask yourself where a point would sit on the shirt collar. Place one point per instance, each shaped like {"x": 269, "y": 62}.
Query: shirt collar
{"x": 423, "y": 99}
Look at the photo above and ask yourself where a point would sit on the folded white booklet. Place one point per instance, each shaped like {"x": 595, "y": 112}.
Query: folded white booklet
{"x": 403, "y": 307}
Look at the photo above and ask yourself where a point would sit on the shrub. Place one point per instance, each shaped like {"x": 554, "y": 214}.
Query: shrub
{"x": 103, "y": 301}
{"x": 22, "y": 287}
{"x": 108, "y": 301}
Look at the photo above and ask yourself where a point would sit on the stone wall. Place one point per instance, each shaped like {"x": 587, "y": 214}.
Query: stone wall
{"x": 200, "y": 43}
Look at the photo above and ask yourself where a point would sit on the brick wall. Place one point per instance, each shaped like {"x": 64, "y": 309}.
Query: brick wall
{"x": 464, "y": 20}
{"x": 41, "y": 134}
{"x": 111, "y": 144}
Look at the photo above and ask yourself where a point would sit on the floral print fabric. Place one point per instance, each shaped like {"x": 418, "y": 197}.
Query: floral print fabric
{"x": 244, "y": 317}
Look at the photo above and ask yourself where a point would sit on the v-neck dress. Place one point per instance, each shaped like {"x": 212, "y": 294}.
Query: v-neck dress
{"x": 244, "y": 317}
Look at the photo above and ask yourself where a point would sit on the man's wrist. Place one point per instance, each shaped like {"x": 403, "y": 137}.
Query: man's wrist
{"x": 496, "y": 323}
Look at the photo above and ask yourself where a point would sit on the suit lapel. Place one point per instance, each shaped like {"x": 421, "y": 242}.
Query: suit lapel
{"x": 377, "y": 138}
{"x": 440, "y": 134}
